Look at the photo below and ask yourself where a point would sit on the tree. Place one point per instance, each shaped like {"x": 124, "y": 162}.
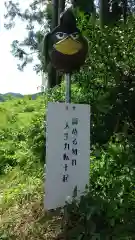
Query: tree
{"x": 25, "y": 49}
{"x": 112, "y": 11}
{"x": 47, "y": 18}
{"x": 42, "y": 13}
{"x": 86, "y": 6}
{"x": 56, "y": 8}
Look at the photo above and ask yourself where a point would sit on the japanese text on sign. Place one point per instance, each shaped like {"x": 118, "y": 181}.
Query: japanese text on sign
{"x": 74, "y": 151}
{"x": 67, "y": 152}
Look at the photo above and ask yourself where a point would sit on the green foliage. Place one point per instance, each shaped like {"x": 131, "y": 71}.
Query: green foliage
{"x": 21, "y": 133}
{"x": 107, "y": 79}
{"x": 107, "y": 209}
{"x": 29, "y": 109}
{"x": 88, "y": 7}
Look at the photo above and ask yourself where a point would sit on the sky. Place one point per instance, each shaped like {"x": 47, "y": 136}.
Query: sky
{"x": 11, "y": 79}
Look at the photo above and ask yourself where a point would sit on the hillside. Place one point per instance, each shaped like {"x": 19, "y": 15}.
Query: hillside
{"x": 10, "y": 95}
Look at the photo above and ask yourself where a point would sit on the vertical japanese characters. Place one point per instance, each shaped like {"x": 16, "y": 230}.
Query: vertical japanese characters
{"x": 66, "y": 152}
{"x": 74, "y": 141}
{"x": 70, "y": 146}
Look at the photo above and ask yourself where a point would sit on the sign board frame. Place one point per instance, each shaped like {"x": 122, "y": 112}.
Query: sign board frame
{"x": 69, "y": 157}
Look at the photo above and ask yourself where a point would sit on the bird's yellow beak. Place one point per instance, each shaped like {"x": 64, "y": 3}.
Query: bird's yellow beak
{"x": 68, "y": 46}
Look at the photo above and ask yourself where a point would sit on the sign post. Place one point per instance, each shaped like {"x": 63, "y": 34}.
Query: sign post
{"x": 68, "y": 88}
{"x": 68, "y": 124}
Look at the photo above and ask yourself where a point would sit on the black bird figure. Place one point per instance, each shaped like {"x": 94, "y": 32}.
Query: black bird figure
{"x": 65, "y": 47}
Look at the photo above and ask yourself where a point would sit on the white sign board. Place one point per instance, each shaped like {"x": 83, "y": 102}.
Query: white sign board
{"x": 67, "y": 152}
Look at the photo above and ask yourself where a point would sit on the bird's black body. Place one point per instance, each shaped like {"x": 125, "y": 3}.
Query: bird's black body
{"x": 66, "y": 47}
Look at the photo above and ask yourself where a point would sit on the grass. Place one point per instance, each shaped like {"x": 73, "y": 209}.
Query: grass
{"x": 22, "y": 214}
{"x": 21, "y": 208}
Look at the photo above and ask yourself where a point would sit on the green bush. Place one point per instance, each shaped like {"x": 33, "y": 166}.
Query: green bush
{"x": 107, "y": 209}
{"x": 29, "y": 109}
{"x": 36, "y": 137}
